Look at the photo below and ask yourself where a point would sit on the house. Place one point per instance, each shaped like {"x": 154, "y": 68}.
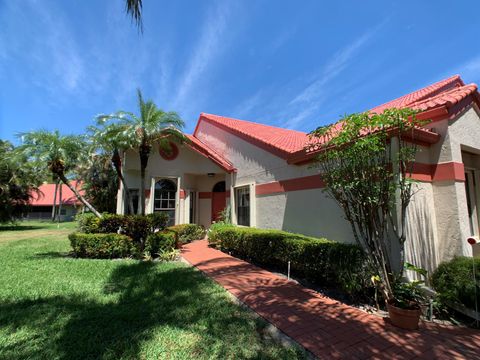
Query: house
{"x": 41, "y": 205}
{"x": 263, "y": 173}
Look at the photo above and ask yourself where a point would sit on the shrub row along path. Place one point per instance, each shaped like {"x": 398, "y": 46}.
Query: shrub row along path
{"x": 325, "y": 327}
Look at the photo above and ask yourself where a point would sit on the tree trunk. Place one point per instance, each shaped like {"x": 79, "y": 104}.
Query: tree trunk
{"x": 144, "y": 154}
{"x": 79, "y": 196}
{"x": 59, "y": 203}
{"x": 55, "y": 200}
{"x": 118, "y": 168}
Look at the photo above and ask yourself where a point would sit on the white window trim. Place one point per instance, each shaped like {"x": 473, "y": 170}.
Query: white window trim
{"x": 151, "y": 203}
{"x": 233, "y": 207}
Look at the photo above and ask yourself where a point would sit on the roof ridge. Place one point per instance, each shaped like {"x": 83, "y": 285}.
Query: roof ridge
{"x": 423, "y": 93}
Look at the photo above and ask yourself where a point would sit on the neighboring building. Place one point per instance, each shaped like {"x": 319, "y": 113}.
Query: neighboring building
{"x": 41, "y": 205}
{"x": 263, "y": 173}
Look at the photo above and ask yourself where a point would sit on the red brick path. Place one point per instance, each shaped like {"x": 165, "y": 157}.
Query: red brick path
{"x": 328, "y": 328}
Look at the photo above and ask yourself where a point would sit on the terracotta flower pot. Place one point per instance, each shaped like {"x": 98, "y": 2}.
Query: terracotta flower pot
{"x": 404, "y": 318}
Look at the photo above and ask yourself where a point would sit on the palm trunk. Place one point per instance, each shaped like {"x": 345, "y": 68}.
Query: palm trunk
{"x": 59, "y": 203}
{"x": 144, "y": 154}
{"x": 79, "y": 196}
{"x": 118, "y": 168}
{"x": 55, "y": 200}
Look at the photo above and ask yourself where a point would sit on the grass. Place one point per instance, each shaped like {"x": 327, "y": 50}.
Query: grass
{"x": 53, "y": 306}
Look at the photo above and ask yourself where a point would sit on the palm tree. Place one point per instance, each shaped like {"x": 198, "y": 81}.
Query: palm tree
{"x": 152, "y": 126}
{"x": 60, "y": 153}
{"x": 134, "y": 9}
{"x": 110, "y": 140}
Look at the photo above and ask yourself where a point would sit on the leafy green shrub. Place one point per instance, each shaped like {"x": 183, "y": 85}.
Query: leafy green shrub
{"x": 102, "y": 246}
{"x": 214, "y": 231}
{"x": 158, "y": 220}
{"x": 138, "y": 227}
{"x": 87, "y": 223}
{"x": 319, "y": 260}
{"x": 453, "y": 280}
{"x": 160, "y": 242}
{"x": 111, "y": 223}
{"x": 188, "y": 232}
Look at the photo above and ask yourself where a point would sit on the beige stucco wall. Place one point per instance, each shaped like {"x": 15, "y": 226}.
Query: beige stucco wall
{"x": 189, "y": 171}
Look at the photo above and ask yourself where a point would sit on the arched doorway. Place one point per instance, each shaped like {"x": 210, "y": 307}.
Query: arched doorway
{"x": 219, "y": 197}
{"x": 164, "y": 199}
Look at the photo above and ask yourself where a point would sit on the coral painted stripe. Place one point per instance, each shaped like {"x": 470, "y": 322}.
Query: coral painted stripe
{"x": 182, "y": 194}
{"x": 303, "y": 183}
{"x": 204, "y": 195}
{"x": 451, "y": 171}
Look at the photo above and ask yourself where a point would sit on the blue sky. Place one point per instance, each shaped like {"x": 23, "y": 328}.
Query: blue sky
{"x": 295, "y": 64}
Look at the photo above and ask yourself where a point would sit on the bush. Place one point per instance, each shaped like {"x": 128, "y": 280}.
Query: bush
{"x": 160, "y": 242}
{"x": 112, "y": 223}
{"x": 318, "y": 260}
{"x": 453, "y": 280}
{"x": 158, "y": 220}
{"x": 102, "y": 246}
{"x": 87, "y": 223}
{"x": 188, "y": 232}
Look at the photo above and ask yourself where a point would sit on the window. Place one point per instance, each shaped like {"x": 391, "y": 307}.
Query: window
{"x": 471, "y": 192}
{"x": 165, "y": 198}
{"x": 242, "y": 201}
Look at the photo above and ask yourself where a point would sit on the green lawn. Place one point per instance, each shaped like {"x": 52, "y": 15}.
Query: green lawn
{"x": 56, "y": 307}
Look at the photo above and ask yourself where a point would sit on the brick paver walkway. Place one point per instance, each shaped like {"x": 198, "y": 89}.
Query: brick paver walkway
{"x": 328, "y": 328}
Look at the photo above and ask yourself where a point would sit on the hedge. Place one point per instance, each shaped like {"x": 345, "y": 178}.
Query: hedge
{"x": 321, "y": 261}
{"x": 453, "y": 281}
{"x": 188, "y": 232}
{"x": 102, "y": 246}
{"x": 160, "y": 242}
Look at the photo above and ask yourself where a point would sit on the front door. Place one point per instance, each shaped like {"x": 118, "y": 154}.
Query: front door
{"x": 219, "y": 198}
{"x": 218, "y": 204}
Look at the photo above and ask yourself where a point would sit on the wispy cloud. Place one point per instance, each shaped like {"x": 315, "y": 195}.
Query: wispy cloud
{"x": 469, "y": 70}
{"x": 204, "y": 55}
{"x": 310, "y": 99}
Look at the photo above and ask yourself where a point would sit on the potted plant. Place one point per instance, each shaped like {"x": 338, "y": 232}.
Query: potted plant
{"x": 405, "y": 307}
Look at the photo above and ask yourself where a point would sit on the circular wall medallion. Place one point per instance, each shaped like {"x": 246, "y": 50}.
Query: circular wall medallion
{"x": 169, "y": 154}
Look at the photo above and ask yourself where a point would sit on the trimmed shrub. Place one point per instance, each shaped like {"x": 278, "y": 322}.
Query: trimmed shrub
{"x": 138, "y": 227}
{"x": 188, "y": 232}
{"x": 321, "y": 261}
{"x": 158, "y": 220}
{"x": 112, "y": 223}
{"x": 87, "y": 223}
{"x": 102, "y": 246}
{"x": 453, "y": 280}
{"x": 160, "y": 242}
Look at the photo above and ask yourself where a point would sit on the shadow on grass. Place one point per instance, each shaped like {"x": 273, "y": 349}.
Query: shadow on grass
{"x": 52, "y": 255}
{"x": 20, "y": 227}
{"x": 177, "y": 306}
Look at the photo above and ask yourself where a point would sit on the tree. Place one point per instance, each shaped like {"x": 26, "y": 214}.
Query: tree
{"x": 60, "y": 154}
{"x": 152, "y": 126}
{"x": 134, "y": 9}
{"x": 100, "y": 183}
{"x": 19, "y": 181}
{"x": 110, "y": 139}
{"x": 366, "y": 161}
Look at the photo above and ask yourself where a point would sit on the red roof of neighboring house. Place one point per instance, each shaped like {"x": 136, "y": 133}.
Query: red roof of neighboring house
{"x": 47, "y": 193}
{"x": 443, "y": 99}
{"x": 208, "y": 152}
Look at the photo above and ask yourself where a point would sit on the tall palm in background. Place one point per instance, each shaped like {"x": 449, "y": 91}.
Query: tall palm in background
{"x": 152, "y": 126}
{"x": 59, "y": 153}
{"x": 110, "y": 139}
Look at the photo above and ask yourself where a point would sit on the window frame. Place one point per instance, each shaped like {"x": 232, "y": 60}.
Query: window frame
{"x": 237, "y": 189}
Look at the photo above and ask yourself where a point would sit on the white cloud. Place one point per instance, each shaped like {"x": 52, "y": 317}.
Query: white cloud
{"x": 470, "y": 70}
{"x": 203, "y": 56}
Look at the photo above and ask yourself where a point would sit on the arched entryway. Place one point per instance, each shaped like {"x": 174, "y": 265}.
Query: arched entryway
{"x": 165, "y": 198}
{"x": 219, "y": 197}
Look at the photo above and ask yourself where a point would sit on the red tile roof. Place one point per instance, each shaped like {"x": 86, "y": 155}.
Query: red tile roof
{"x": 280, "y": 141}
{"x": 209, "y": 153}
{"x": 47, "y": 191}
{"x": 438, "y": 99}
{"x": 422, "y": 94}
